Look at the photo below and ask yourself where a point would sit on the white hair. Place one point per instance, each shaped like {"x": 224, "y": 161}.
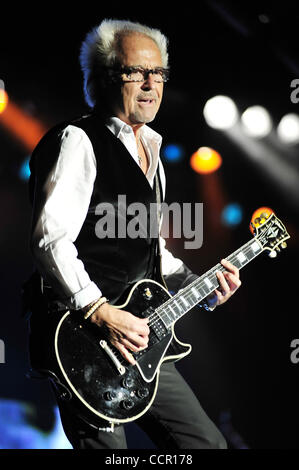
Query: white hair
{"x": 99, "y": 50}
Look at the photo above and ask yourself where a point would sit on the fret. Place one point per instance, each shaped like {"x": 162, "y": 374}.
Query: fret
{"x": 167, "y": 316}
{"x": 179, "y": 308}
{"x": 250, "y": 255}
{"x": 184, "y": 301}
{"x": 171, "y": 312}
{"x": 208, "y": 283}
{"x": 256, "y": 247}
{"x": 192, "y": 299}
{"x": 237, "y": 263}
{"x": 196, "y": 294}
{"x": 241, "y": 258}
{"x": 213, "y": 279}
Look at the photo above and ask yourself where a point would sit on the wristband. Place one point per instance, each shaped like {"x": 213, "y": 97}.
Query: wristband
{"x": 101, "y": 301}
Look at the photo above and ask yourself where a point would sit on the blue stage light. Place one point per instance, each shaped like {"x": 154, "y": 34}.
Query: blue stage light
{"x": 172, "y": 153}
{"x": 232, "y": 214}
{"x": 24, "y": 172}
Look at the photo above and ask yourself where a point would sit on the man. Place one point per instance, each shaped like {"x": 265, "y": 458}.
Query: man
{"x": 91, "y": 161}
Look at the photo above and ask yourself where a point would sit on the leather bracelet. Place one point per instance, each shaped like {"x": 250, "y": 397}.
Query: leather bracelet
{"x": 101, "y": 301}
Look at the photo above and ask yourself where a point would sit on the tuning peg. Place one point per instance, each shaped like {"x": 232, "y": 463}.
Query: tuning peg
{"x": 272, "y": 254}
{"x": 283, "y": 245}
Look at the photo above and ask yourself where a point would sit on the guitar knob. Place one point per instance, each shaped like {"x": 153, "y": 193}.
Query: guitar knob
{"x": 283, "y": 245}
{"x": 143, "y": 392}
{"x": 127, "y": 382}
{"x": 272, "y": 254}
{"x": 127, "y": 404}
{"x": 110, "y": 395}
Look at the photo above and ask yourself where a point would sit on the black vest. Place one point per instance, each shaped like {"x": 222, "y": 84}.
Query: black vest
{"x": 115, "y": 262}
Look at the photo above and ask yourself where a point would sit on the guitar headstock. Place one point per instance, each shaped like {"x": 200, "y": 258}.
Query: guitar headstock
{"x": 269, "y": 230}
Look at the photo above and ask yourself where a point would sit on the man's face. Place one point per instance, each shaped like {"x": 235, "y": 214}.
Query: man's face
{"x": 139, "y": 102}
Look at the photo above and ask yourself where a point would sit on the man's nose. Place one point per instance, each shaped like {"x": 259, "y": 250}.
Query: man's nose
{"x": 149, "y": 83}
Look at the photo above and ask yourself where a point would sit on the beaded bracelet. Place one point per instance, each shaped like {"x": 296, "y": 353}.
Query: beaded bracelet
{"x": 101, "y": 301}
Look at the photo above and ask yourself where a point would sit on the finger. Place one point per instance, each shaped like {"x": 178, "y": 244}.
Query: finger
{"x": 131, "y": 346}
{"x": 130, "y": 339}
{"x": 232, "y": 280}
{"x": 223, "y": 283}
{"x": 135, "y": 340}
{"x": 125, "y": 353}
{"x": 230, "y": 267}
{"x": 219, "y": 296}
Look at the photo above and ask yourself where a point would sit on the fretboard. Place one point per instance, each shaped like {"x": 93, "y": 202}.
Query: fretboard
{"x": 194, "y": 293}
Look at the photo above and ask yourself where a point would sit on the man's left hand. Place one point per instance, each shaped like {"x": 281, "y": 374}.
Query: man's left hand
{"x": 229, "y": 282}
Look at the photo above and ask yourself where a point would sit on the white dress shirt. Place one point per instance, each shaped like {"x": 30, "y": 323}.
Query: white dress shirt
{"x": 63, "y": 204}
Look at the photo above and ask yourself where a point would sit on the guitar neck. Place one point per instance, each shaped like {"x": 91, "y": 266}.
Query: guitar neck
{"x": 194, "y": 293}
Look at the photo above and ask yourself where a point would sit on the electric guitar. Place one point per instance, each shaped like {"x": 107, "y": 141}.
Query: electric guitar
{"x": 90, "y": 371}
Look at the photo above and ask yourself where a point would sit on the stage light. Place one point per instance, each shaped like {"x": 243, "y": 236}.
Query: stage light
{"x": 288, "y": 129}
{"x": 24, "y": 172}
{"x": 172, "y": 153}
{"x": 25, "y": 128}
{"x": 3, "y": 98}
{"x": 220, "y": 112}
{"x": 256, "y": 121}
{"x": 232, "y": 214}
{"x": 205, "y": 160}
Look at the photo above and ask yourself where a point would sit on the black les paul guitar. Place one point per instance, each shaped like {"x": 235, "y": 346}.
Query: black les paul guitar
{"x": 90, "y": 370}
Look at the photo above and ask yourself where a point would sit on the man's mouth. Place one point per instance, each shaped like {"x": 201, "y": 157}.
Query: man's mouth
{"x": 146, "y": 101}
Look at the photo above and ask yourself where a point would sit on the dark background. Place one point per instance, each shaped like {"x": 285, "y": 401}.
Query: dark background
{"x": 240, "y": 365}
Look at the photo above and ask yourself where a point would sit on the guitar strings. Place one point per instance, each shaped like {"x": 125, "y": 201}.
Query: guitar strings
{"x": 198, "y": 284}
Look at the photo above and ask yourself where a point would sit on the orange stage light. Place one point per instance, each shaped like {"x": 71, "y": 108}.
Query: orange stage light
{"x": 205, "y": 160}
{"x": 3, "y": 100}
{"x": 258, "y": 217}
{"x": 27, "y": 129}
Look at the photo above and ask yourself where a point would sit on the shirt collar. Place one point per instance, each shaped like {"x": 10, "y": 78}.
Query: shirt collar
{"x": 117, "y": 127}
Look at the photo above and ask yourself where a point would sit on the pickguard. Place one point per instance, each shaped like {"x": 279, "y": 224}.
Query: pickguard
{"x": 149, "y": 362}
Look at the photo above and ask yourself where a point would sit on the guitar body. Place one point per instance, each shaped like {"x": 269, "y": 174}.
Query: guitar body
{"x": 94, "y": 376}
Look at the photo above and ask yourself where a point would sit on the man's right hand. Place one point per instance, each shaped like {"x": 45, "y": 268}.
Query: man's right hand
{"x": 127, "y": 332}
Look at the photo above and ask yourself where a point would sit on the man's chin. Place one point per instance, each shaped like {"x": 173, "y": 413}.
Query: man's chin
{"x": 142, "y": 118}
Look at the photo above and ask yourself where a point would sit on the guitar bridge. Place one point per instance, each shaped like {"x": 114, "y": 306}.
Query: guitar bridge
{"x": 120, "y": 368}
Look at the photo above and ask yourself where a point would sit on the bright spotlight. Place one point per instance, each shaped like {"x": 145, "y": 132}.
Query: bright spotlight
{"x": 288, "y": 129}
{"x": 205, "y": 160}
{"x": 256, "y": 121}
{"x": 3, "y": 97}
{"x": 220, "y": 112}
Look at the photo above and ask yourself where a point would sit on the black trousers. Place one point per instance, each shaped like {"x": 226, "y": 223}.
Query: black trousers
{"x": 175, "y": 420}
